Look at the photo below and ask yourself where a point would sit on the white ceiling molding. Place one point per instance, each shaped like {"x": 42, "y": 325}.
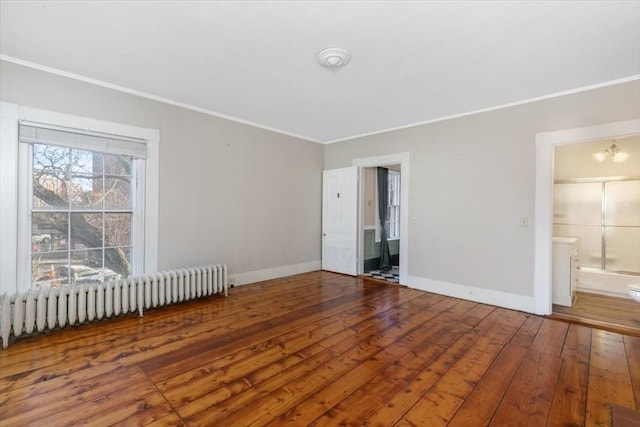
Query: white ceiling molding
{"x": 144, "y": 95}
{"x": 497, "y": 107}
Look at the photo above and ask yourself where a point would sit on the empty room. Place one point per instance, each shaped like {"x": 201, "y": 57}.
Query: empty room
{"x": 309, "y": 213}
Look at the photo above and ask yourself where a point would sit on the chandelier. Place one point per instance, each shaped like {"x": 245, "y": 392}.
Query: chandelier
{"x": 612, "y": 153}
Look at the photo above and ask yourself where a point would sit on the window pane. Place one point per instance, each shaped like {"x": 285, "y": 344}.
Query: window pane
{"x": 53, "y": 160}
{"x": 577, "y": 204}
{"x": 45, "y": 268}
{"x": 117, "y": 193}
{"x": 86, "y": 163}
{"x": 623, "y": 203}
{"x": 117, "y": 229}
{"x": 117, "y": 165}
{"x": 86, "y": 230}
{"x": 86, "y": 192}
{"x": 86, "y": 263}
{"x": 50, "y": 173}
{"x": 623, "y": 249}
{"x": 118, "y": 261}
{"x": 589, "y": 242}
{"x": 48, "y": 231}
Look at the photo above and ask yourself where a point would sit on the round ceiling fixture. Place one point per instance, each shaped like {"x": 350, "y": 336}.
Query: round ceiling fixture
{"x": 334, "y": 57}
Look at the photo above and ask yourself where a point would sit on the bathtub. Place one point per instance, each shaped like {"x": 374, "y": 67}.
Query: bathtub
{"x": 601, "y": 282}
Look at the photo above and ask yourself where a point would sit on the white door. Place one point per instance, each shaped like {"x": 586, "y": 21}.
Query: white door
{"x": 340, "y": 220}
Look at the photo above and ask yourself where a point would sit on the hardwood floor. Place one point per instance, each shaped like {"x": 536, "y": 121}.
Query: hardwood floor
{"x": 606, "y": 312}
{"x": 321, "y": 349}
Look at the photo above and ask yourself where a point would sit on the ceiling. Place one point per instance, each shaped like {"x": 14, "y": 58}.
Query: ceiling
{"x": 255, "y": 62}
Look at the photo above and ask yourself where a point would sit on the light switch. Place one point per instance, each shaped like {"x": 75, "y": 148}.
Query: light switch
{"x": 524, "y": 222}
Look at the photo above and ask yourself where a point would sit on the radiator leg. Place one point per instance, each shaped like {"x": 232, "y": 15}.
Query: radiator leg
{"x": 224, "y": 280}
{"x": 62, "y": 306}
{"x": 140, "y": 285}
{"x": 41, "y": 309}
{"x": 18, "y": 315}
{"x": 5, "y": 320}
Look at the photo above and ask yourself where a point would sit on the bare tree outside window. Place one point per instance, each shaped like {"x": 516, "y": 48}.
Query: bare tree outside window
{"x": 81, "y": 216}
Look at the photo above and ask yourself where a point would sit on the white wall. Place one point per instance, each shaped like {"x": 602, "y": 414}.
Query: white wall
{"x": 471, "y": 181}
{"x": 228, "y": 192}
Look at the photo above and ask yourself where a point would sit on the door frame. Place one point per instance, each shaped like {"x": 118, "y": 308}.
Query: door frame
{"x": 545, "y": 144}
{"x": 386, "y": 160}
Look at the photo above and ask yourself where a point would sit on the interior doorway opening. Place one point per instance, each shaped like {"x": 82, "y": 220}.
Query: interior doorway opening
{"x": 396, "y": 218}
{"x": 544, "y": 223}
{"x": 596, "y": 207}
{"x": 381, "y": 221}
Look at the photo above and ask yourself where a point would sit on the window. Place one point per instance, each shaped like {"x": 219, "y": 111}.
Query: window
{"x": 80, "y": 204}
{"x": 392, "y": 223}
{"x": 82, "y": 210}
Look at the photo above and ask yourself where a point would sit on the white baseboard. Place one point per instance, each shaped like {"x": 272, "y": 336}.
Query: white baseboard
{"x": 239, "y": 279}
{"x": 482, "y": 295}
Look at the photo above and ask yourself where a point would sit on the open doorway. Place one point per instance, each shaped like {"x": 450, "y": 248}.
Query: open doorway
{"x": 396, "y": 223}
{"x": 381, "y": 222}
{"x": 596, "y": 209}
{"x": 546, "y": 144}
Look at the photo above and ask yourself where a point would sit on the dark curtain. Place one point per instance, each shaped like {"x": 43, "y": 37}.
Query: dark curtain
{"x": 383, "y": 197}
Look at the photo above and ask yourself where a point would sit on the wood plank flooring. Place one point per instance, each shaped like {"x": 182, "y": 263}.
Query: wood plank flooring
{"x": 606, "y": 312}
{"x": 321, "y": 349}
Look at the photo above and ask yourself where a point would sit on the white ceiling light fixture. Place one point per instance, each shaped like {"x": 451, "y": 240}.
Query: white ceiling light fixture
{"x": 613, "y": 153}
{"x": 334, "y": 58}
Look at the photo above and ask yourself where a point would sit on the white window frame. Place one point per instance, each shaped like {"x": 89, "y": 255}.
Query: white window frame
{"x": 15, "y": 218}
{"x": 394, "y": 175}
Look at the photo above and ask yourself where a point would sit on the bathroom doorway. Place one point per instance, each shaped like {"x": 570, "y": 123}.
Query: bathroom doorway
{"x": 596, "y": 201}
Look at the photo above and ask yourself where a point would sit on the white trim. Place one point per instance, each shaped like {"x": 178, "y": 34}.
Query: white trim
{"x": 151, "y": 200}
{"x": 481, "y": 295}
{"x": 248, "y": 277}
{"x": 545, "y": 142}
{"x": 391, "y": 159}
{"x": 135, "y": 92}
{"x": 24, "y": 202}
{"x": 147, "y": 96}
{"x": 543, "y": 212}
{"x": 37, "y": 115}
{"x": 497, "y": 107}
{"x": 8, "y": 196}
